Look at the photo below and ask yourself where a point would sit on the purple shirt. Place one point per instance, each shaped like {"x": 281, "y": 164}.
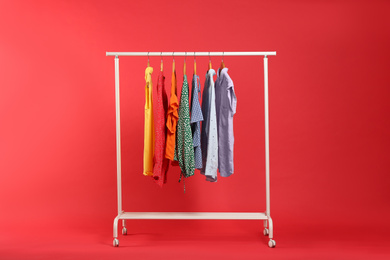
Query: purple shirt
{"x": 225, "y": 103}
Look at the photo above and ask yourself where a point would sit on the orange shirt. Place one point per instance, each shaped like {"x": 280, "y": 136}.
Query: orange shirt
{"x": 172, "y": 118}
{"x": 149, "y": 124}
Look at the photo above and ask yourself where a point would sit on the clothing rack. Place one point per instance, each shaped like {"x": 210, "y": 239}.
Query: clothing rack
{"x": 265, "y": 216}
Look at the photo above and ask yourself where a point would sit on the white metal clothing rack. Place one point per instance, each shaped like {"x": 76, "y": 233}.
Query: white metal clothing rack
{"x": 265, "y": 216}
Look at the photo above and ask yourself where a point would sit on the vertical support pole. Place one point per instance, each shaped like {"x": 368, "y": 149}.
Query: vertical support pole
{"x": 118, "y": 137}
{"x": 266, "y": 119}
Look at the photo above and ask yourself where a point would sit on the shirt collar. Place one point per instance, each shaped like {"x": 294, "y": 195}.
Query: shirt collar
{"x": 223, "y": 72}
{"x": 211, "y": 71}
{"x": 149, "y": 70}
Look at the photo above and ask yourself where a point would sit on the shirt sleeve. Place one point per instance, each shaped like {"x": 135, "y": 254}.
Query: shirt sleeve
{"x": 232, "y": 97}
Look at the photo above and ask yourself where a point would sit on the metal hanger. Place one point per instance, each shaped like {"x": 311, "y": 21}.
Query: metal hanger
{"x": 173, "y": 63}
{"x": 222, "y": 63}
{"x": 194, "y": 64}
{"x": 210, "y": 62}
{"x": 185, "y": 65}
{"x": 161, "y": 66}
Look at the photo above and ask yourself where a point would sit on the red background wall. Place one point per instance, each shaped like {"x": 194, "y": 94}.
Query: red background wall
{"x": 329, "y": 115}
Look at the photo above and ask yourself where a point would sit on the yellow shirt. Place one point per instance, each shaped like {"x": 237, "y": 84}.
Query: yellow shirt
{"x": 149, "y": 124}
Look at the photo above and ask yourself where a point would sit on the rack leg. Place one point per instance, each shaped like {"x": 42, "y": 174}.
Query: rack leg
{"x": 271, "y": 242}
{"x": 269, "y": 232}
{"x": 266, "y": 123}
{"x": 271, "y": 227}
{"x": 118, "y": 137}
{"x": 124, "y": 229}
{"x": 265, "y": 231}
{"x": 118, "y": 151}
{"x": 116, "y": 241}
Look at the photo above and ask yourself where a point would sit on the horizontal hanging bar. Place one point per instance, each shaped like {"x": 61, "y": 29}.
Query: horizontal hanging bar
{"x": 213, "y": 53}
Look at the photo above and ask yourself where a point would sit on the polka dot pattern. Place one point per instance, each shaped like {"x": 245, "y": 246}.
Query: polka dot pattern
{"x": 184, "y": 149}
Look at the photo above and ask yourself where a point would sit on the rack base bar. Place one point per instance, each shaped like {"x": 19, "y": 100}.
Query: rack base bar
{"x": 192, "y": 215}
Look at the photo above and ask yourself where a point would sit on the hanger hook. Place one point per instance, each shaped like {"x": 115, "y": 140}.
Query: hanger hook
{"x": 209, "y": 57}
{"x": 173, "y": 56}
{"x": 148, "y": 57}
{"x": 161, "y": 56}
{"x": 223, "y": 55}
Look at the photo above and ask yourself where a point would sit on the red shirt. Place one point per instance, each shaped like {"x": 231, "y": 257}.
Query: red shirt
{"x": 160, "y": 162}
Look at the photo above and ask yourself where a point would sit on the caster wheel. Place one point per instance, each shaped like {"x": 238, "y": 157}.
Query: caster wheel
{"x": 271, "y": 243}
{"x": 124, "y": 231}
{"x": 266, "y": 232}
{"x": 115, "y": 242}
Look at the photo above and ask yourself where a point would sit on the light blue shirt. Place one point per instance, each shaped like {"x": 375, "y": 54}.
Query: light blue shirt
{"x": 209, "y": 137}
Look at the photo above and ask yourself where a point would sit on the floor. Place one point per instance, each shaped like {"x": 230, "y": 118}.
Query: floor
{"x": 202, "y": 239}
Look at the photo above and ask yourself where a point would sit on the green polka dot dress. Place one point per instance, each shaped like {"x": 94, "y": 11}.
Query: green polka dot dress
{"x": 185, "y": 148}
